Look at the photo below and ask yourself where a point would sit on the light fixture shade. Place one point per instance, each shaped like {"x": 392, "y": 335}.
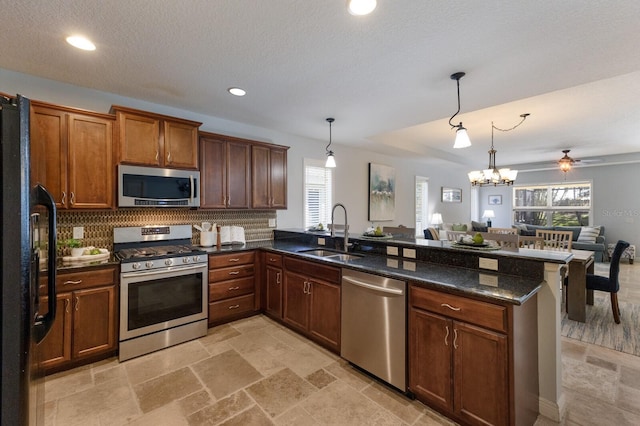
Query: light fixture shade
{"x": 462, "y": 138}
{"x": 436, "y": 219}
{"x": 489, "y": 214}
{"x": 361, "y": 7}
{"x": 331, "y": 161}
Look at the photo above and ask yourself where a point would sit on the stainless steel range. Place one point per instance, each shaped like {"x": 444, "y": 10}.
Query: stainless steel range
{"x": 163, "y": 288}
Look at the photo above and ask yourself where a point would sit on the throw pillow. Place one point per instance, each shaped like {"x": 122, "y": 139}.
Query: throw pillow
{"x": 459, "y": 227}
{"x": 588, "y": 234}
{"x": 479, "y": 226}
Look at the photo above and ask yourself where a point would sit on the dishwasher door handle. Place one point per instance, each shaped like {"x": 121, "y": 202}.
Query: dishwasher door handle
{"x": 393, "y": 291}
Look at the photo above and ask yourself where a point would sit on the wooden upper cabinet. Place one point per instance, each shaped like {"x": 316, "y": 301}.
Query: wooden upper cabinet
{"x": 72, "y": 156}
{"x": 224, "y": 172}
{"x": 156, "y": 140}
{"x": 268, "y": 177}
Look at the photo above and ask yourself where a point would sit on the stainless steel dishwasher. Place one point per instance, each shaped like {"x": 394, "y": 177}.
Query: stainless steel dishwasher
{"x": 373, "y": 334}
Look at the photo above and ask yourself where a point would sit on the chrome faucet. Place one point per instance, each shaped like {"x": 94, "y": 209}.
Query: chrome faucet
{"x": 346, "y": 225}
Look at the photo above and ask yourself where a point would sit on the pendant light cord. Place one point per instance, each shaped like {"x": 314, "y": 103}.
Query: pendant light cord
{"x": 330, "y": 120}
{"x": 457, "y": 76}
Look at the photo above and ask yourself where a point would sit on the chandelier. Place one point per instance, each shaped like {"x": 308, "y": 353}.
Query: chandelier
{"x": 493, "y": 175}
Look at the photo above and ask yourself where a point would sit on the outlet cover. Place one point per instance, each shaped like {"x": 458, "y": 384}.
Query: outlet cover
{"x": 78, "y": 232}
{"x": 320, "y": 241}
{"x": 272, "y": 223}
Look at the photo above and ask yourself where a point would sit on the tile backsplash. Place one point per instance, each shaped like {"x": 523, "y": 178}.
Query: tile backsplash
{"x": 98, "y": 225}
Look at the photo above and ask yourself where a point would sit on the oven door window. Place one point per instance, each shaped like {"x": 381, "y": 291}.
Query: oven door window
{"x": 165, "y": 299}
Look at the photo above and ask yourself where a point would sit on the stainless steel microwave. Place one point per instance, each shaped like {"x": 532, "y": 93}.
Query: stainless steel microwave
{"x": 157, "y": 187}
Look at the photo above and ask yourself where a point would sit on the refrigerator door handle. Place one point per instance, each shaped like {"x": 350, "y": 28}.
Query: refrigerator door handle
{"x": 43, "y": 323}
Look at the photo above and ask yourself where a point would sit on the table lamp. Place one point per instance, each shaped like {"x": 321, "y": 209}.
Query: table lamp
{"x": 436, "y": 219}
{"x": 488, "y": 214}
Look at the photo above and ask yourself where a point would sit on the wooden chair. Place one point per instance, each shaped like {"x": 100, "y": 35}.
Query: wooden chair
{"x": 536, "y": 243}
{"x": 400, "y": 231}
{"x": 455, "y": 235}
{"x": 504, "y": 240}
{"x": 555, "y": 240}
{"x": 503, "y": 231}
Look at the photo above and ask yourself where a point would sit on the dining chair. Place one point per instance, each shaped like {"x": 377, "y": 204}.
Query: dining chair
{"x": 455, "y": 235}
{"x": 400, "y": 231}
{"x": 611, "y": 283}
{"x": 555, "y": 240}
{"x": 504, "y": 240}
{"x": 526, "y": 241}
{"x": 502, "y": 231}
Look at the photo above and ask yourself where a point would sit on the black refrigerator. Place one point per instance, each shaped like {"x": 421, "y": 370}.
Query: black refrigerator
{"x": 28, "y": 270}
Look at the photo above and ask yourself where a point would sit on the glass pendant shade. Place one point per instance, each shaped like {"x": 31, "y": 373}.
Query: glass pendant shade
{"x": 462, "y": 138}
{"x": 331, "y": 161}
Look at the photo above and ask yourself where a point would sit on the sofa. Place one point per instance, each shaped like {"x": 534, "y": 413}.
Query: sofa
{"x": 598, "y": 246}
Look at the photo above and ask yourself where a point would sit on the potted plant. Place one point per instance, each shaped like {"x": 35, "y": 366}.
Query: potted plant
{"x": 74, "y": 246}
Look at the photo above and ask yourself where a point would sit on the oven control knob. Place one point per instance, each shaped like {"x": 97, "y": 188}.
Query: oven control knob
{"x": 196, "y": 258}
{"x": 168, "y": 262}
{"x": 186, "y": 260}
{"x": 136, "y": 265}
{"x": 149, "y": 264}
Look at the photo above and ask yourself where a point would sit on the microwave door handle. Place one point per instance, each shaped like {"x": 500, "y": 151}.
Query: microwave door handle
{"x": 192, "y": 188}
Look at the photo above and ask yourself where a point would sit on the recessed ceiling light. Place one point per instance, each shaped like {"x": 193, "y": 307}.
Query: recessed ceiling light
{"x": 81, "y": 42}
{"x": 361, "y": 7}
{"x": 236, "y": 91}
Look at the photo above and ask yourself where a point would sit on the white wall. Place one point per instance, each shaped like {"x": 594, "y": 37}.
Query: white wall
{"x": 351, "y": 174}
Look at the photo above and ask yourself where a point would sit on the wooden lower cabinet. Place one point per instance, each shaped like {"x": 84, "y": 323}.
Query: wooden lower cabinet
{"x": 273, "y": 285}
{"x": 311, "y": 300}
{"x": 86, "y": 319}
{"x": 232, "y": 288}
{"x": 473, "y": 373}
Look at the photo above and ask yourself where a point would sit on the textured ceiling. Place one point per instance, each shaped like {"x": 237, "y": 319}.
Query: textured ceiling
{"x": 572, "y": 64}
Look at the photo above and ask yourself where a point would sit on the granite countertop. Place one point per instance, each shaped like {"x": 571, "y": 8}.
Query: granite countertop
{"x": 484, "y": 284}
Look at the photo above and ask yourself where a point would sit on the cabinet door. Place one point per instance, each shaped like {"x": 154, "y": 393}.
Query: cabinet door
{"x": 274, "y": 291}
{"x": 139, "y": 139}
{"x": 260, "y": 184}
{"x": 180, "y": 145}
{"x": 296, "y": 301}
{"x": 238, "y": 175}
{"x": 324, "y": 315}
{"x": 55, "y": 348}
{"x": 94, "y": 321}
{"x": 91, "y": 167}
{"x": 430, "y": 359}
{"x": 49, "y": 152}
{"x": 480, "y": 375}
{"x": 213, "y": 173}
{"x": 278, "y": 178}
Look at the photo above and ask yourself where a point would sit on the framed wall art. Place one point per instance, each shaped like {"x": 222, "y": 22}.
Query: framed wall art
{"x": 451, "y": 195}
{"x": 495, "y": 200}
{"x": 382, "y": 192}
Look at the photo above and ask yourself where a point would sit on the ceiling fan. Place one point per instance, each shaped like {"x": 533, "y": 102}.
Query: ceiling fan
{"x": 566, "y": 162}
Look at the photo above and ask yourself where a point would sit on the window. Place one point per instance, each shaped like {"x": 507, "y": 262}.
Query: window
{"x": 553, "y": 205}
{"x": 318, "y": 193}
{"x": 422, "y": 205}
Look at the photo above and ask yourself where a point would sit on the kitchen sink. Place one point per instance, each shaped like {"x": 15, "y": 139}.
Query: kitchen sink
{"x": 330, "y": 254}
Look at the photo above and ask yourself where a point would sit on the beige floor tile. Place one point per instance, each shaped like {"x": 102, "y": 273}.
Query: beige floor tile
{"x": 589, "y": 380}
{"x": 338, "y": 404}
{"x": 385, "y": 418}
{"x": 113, "y": 372}
{"x": 305, "y": 360}
{"x": 219, "y": 334}
{"x": 399, "y": 405}
{"x": 349, "y": 375}
{"x": 432, "y": 418}
{"x": 255, "y": 340}
{"x": 68, "y": 382}
{"x": 587, "y": 411}
{"x": 158, "y": 363}
{"x": 167, "y": 388}
{"x": 264, "y": 362}
{"x": 320, "y": 378}
{"x": 221, "y": 410}
{"x": 296, "y": 416}
{"x": 252, "y": 417}
{"x": 226, "y": 373}
{"x": 279, "y": 392}
{"x": 167, "y": 415}
{"x": 216, "y": 348}
{"x": 195, "y": 402}
{"x": 247, "y": 325}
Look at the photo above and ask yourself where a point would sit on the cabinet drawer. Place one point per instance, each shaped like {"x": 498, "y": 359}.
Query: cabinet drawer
{"x": 222, "y": 260}
{"x": 468, "y": 310}
{"x": 232, "y": 288}
{"x": 85, "y": 279}
{"x": 273, "y": 259}
{"x": 313, "y": 269}
{"x": 231, "y": 307}
{"x": 223, "y": 274}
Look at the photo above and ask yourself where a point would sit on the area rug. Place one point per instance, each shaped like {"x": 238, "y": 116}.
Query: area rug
{"x": 600, "y": 328}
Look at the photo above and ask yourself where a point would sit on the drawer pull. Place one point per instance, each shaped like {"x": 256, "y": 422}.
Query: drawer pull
{"x": 446, "y": 338}
{"x": 234, "y": 307}
{"x": 66, "y": 305}
{"x": 278, "y": 278}
{"x": 446, "y": 305}
{"x": 235, "y": 259}
{"x": 72, "y": 282}
{"x": 234, "y": 288}
{"x": 77, "y": 303}
{"x": 234, "y": 272}
{"x": 455, "y": 338}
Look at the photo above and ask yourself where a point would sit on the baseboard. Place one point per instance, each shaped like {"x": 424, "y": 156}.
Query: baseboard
{"x": 551, "y": 410}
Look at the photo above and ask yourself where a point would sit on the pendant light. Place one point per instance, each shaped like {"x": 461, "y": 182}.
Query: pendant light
{"x": 361, "y": 7}
{"x": 493, "y": 175}
{"x": 331, "y": 161}
{"x": 462, "y": 138}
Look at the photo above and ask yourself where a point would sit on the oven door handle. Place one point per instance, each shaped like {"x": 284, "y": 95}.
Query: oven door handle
{"x": 162, "y": 272}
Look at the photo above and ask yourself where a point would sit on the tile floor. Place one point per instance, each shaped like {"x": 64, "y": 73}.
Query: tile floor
{"x": 256, "y": 372}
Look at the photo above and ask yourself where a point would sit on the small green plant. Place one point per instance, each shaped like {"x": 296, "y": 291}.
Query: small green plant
{"x": 70, "y": 243}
